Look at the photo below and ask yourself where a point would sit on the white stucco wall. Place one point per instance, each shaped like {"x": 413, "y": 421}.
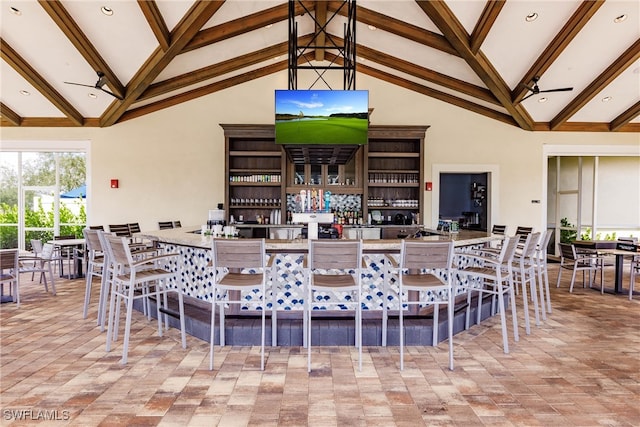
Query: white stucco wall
{"x": 170, "y": 164}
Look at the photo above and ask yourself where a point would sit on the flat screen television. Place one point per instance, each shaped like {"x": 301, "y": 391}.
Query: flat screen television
{"x": 331, "y": 117}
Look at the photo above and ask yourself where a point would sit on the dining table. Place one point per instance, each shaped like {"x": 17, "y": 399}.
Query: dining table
{"x": 77, "y": 246}
{"x": 619, "y": 250}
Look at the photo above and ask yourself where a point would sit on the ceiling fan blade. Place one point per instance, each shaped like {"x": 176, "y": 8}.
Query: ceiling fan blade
{"x": 111, "y": 93}
{"x": 528, "y": 96}
{"x": 79, "y": 84}
{"x": 561, "y": 89}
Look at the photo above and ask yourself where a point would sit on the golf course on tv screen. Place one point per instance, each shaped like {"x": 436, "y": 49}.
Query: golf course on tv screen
{"x": 322, "y": 116}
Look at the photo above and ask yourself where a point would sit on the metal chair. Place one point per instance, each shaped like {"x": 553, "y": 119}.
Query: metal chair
{"x": 177, "y": 224}
{"x": 135, "y": 280}
{"x": 427, "y": 267}
{"x": 165, "y": 225}
{"x": 494, "y": 276}
{"x": 574, "y": 260}
{"x": 238, "y": 265}
{"x": 334, "y": 266}
{"x": 40, "y": 264}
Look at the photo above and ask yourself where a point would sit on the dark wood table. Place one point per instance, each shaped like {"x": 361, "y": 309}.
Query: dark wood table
{"x": 610, "y": 247}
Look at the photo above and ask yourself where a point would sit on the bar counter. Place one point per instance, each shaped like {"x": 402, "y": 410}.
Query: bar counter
{"x": 194, "y": 274}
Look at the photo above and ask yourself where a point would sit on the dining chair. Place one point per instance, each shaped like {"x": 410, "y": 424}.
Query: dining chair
{"x": 95, "y": 264}
{"x": 238, "y": 265}
{"x": 577, "y": 260}
{"x": 120, "y": 229}
{"x": 334, "y": 266}
{"x": 136, "y": 280}
{"x": 499, "y": 229}
{"x": 635, "y": 270}
{"x": 10, "y": 273}
{"x": 165, "y": 225}
{"x": 427, "y": 268}
{"x": 43, "y": 264}
{"x": 492, "y": 275}
{"x": 177, "y": 224}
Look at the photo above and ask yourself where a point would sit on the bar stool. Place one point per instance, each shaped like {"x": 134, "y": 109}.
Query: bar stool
{"x": 165, "y": 225}
{"x": 525, "y": 274}
{"x": 238, "y": 265}
{"x": 334, "y": 266}
{"x": 541, "y": 261}
{"x": 138, "y": 279}
{"x": 493, "y": 275}
{"x": 95, "y": 264}
{"x": 427, "y": 267}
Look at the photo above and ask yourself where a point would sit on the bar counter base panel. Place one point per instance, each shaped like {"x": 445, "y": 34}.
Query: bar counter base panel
{"x": 330, "y": 331}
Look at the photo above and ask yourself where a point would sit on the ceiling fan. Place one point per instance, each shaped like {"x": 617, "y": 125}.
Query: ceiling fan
{"x": 536, "y": 90}
{"x": 102, "y": 80}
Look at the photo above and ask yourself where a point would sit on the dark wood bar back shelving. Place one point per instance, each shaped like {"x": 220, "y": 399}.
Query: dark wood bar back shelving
{"x": 388, "y": 172}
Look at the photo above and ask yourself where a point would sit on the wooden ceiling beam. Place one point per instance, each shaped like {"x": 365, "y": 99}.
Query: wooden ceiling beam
{"x": 10, "y": 115}
{"x": 607, "y": 76}
{"x": 156, "y": 22}
{"x": 219, "y": 69}
{"x": 626, "y": 117}
{"x": 433, "y": 93}
{"x": 426, "y": 74}
{"x": 574, "y": 25}
{"x": 485, "y": 22}
{"x": 320, "y": 24}
{"x": 81, "y": 42}
{"x": 185, "y": 30}
{"x": 12, "y": 58}
{"x": 399, "y": 28}
{"x": 243, "y": 25}
{"x": 452, "y": 29}
{"x": 205, "y": 90}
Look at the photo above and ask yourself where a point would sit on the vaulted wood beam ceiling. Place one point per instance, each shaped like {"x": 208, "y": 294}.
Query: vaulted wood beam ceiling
{"x": 12, "y": 58}
{"x": 452, "y": 29}
{"x": 243, "y": 25}
{"x": 10, "y": 115}
{"x": 399, "y": 28}
{"x": 485, "y": 22}
{"x": 624, "y": 118}
{"x": 156, "y": 22}
{"x": 578, "y": 20}
{"x": 76, "y": 36}
{"x": 623, "y": 62}
{"x": 185, "y": 30}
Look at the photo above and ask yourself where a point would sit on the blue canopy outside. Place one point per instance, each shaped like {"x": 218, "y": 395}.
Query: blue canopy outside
{"x": 76, "y": 193}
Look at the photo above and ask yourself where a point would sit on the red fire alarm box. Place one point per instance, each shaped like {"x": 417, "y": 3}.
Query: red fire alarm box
{"x": 428, "y": 186}
{"x": 114, "y": 183}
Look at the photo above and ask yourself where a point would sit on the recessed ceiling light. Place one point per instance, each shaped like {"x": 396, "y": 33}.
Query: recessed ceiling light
{"x": 15, "y": 11}
{"x": 621, "y": 18}
{"x": 106, "y": 10}
{"x": 372, "y": 27}
{"x": 92, "y": 95}
{"x": 25, "y": 92}
{"x": 531, "y": 17}
{"x": 543, "y": 100}
{"x": 607, "y": 98}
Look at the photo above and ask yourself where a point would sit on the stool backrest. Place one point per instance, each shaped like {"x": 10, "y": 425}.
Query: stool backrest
{"x": 244, "y": 253}
{"x": 426, "y": 255}
{"x": 9, "y": 260}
